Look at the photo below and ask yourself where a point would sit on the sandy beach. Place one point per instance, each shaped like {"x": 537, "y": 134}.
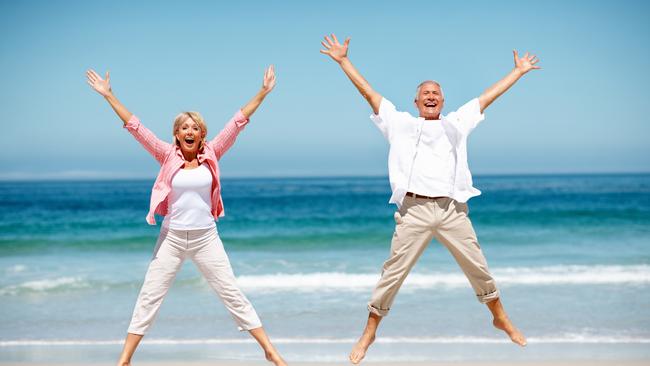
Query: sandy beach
{"x": 235, "y": 363}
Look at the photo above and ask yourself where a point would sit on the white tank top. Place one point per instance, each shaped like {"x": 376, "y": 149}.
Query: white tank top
{"x": 189, "y": 201}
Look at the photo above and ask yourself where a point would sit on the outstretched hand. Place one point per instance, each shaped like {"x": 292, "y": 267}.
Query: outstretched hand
{"x": 102, "y": 86}
{"x": 267, "y": 85}
{"x": 526, "y": 63}
{"x": 522, "y": 66}
{"x": 334, "y": 49}
{"x": 269, "y": 80}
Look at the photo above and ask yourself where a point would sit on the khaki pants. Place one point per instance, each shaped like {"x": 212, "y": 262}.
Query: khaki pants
{"x": 204, "y": 247}
{"x": 417, "y": 222}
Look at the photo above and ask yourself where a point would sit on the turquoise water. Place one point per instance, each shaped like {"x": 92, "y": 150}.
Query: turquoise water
{"x": 571, "y": 254}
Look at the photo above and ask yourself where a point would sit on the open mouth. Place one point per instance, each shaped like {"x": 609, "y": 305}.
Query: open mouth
{"x": 431, "y": 104}
{"x": 189, "y": 140}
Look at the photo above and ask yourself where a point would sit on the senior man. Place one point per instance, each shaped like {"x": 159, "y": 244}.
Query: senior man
{"x": 431, "y": 183}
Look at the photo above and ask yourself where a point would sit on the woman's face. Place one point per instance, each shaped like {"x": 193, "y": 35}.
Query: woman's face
{"x": 189, "y": 136}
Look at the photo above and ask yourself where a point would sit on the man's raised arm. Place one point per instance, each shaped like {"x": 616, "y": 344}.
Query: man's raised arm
{"x": 339, "y": 53}
{"x": 522, "y": 66}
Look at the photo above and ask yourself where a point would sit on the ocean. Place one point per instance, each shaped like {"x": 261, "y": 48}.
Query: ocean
{"x": 570, "y": 254}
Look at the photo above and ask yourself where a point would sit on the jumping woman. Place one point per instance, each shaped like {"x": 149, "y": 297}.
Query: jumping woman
{"x": 187, "y": 192}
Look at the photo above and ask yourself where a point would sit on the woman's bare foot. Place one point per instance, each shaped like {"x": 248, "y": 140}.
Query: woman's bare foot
{"x": 506, "y": 325}
{"x": 123, "y": 363}
{"x": 274, "y": 356}
{"x": 271, "y": 354}
{"x": 359, "y": 350}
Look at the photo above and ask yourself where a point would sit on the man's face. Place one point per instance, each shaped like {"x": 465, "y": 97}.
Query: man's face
{"x": 429, "y": 101}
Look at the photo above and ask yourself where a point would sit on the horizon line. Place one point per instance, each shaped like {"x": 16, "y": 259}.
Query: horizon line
{"x": 126, "y": 177}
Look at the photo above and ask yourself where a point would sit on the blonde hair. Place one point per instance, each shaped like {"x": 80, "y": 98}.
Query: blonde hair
{"x": 194, "y": 116}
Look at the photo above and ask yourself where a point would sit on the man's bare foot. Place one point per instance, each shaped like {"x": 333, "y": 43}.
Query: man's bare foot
{"x": 274, "y": 357}
{"x": 506, "y": 325}
{"x": 359, "y": 350}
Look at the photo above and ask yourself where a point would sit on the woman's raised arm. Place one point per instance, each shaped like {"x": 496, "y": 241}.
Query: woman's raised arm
{"x": 155, "y": 146}
{"x": 226, "y": 138}
{"x": 267, "y": 85}
{"x": 103, "y": 87}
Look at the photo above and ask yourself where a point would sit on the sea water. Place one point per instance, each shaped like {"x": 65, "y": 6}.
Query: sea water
{"x": 570, "y": 254}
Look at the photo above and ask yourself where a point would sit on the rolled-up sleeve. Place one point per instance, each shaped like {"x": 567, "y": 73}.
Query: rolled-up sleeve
{"x": 226, "y": 138}
{"x": 469, "y": 115}
{"x": 385, "y": 118}
{"x": 155, "y": 146}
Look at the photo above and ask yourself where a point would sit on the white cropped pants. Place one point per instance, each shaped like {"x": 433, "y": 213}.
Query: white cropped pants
{"x": 204, "y": 247}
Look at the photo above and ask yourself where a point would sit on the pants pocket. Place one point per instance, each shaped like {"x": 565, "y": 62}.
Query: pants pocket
{"x": 398, "y": 218}
{"x": 461, "y": 207}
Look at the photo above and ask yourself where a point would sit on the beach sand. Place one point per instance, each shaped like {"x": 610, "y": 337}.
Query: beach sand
{"x": 461, "y": 363}
{"x": 235, "y": 363}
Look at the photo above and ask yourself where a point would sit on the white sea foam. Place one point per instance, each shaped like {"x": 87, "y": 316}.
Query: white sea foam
{"x": 551, "y": 275}
{"x": 16, "y": 268}
{"x": 44, "y": 285}
{"x": 563, "y": 275}
{"x": 562, "y": 339}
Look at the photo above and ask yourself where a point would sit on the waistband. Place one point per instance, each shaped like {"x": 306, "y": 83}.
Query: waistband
{"x": 415, "y": 195}
{"x": 189, "y": 234}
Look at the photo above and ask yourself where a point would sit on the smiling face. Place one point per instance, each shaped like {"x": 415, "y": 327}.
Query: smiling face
{"x": 189, "y": 132}
{"x": 429, "y": 100}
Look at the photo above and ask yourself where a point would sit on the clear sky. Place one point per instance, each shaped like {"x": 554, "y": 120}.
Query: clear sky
{"x": 585, "y": 111}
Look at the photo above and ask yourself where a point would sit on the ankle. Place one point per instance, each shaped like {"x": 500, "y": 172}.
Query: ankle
{"x": 271, "y": 353}
{"x": 503, "y": 323}
{"x": 368, "y": 336}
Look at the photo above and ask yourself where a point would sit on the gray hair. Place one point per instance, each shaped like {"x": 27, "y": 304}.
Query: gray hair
{"x": 417, "y": 91}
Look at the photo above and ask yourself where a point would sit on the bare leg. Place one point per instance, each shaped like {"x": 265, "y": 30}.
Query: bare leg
{"x": 130, "y": 344}
{"x": 501, "y": 321}
{"x": 359, "y": 350}
{"x": 270, "y": 352}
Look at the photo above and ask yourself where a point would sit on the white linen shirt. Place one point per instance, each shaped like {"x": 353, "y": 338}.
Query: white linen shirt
{"x": 434, "y": 165}
{"x": 403, "y": 130}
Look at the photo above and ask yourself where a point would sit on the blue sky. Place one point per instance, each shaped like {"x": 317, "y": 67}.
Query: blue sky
{"x": 583, "y": 112}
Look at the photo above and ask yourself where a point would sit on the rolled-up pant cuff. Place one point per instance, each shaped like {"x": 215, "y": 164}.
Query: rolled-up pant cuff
{"x": 247, "y": 327}
{"x": 377, "y": 311}
{"x": 485, "y": 298}
{"x": 136, "y": 331}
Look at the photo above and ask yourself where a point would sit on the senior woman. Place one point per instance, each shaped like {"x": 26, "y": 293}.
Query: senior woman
{"x": 188, "y": 193}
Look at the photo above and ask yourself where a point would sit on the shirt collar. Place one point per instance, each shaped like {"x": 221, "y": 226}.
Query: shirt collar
{"x": 201, "y": 156}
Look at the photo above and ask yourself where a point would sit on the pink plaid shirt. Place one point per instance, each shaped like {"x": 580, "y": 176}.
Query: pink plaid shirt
{"x": 171, "y": 161}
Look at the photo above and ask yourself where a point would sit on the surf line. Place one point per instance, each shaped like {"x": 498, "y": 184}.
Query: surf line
{"x": 391, "y": 340}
